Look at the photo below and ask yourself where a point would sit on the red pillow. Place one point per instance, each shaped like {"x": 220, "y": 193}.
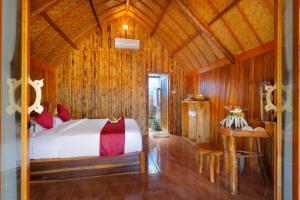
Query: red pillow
{"x": 63, "y": 113}
{"x": 45, "y": 119}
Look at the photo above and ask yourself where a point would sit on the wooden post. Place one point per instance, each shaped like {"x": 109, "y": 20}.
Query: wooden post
{"x": 226, "y": 161}
{"x": 233, "y": 167}
{"x": 218, "y": 157}
{"x": 201, "y": 163}
{"x": 212, "y": 168}
{"x": 142, "y": 163}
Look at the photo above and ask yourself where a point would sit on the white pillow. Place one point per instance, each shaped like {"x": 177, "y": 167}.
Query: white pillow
{"x": 57, "y": 121}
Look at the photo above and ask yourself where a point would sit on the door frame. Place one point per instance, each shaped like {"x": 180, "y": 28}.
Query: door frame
{"x": 25, "y": 63}
{"x": 279, "y": 6}
{"x": 168, "y": 112}
{"x": 147, "y": 101}
{"x": 296, "y": 101}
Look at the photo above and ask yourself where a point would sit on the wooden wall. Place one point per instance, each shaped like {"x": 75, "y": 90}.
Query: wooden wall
{"x": 98, "y": 81}
{"x": 237, "y": 84}
{"x": 40, "y": 70}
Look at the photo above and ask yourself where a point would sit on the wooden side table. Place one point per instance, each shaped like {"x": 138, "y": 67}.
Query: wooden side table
{"x": 229, "y": 136}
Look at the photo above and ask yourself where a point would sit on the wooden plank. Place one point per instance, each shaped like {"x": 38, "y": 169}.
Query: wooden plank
{"x": 25, "y": 66}
{"x": 234, "y": 3}
{"x": 39, "y": 6}
{"x": 256, "y": 51}
{"x": 57, "y": 29}
{"x": 38, "y": 63}
{"x": 160, "y": 18}
{"x": 95, "y": 15}
{"x": 203, "y": 29}
{"x": 215, "y": 65}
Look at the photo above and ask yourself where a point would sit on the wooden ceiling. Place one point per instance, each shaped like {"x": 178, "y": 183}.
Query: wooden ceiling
{"x": 198, "y": 33}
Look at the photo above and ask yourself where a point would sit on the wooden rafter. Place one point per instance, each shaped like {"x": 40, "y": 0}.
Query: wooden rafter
{"x": 71, "y": 9}
{"x": 58, "y": 30}
{"x": 160, "y": 18}
{"x": 186, "y": 42}
{"x": 146, "y": 6}
{"x": 136, "y": 10}
{"x": 250, "y": 25}
{"x": 204, "y": 29}
{"x": 235, "y": 2}
{"x": 95, "y": 15}
{"x": 111, "y": 8}
{"x": 205, "y": 57}
{"x": 39, "y": 6}
{"x": 227, "y": 26}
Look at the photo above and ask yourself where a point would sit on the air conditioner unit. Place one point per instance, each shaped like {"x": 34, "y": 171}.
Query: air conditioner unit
{"x": 123, "y": 43}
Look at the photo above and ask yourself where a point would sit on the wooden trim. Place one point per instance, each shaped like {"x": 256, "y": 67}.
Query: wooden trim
{"x": 235, "y": 2}
{"x": 25, "y": 64}
{"x": 58, "y": 30}
{"x": 38, "y": 6}
{"x": 160, "y": 18}
{"x": 215, "y": 65}
{"x": 202, "y": 28}
{"x": 95, "y": 15}
{"x": 265, "y": 48}
{"x": 278, "y": 79}
{"x": 296, "y": 102}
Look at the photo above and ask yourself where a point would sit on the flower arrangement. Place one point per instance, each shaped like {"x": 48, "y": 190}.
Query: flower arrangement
{"x": 235, "y": 117}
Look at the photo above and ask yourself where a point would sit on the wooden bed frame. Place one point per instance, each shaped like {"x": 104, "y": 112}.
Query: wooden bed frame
{"x": 83, "y": 167}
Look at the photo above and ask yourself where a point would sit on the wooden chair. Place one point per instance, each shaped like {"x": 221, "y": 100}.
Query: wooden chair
{"x": 213, "y": 154}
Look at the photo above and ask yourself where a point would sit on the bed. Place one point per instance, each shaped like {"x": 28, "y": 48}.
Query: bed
{"x": 71, "y": 150}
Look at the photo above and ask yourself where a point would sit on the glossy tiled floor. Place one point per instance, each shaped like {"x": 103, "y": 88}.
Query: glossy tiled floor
{"x": 172, "y": 174}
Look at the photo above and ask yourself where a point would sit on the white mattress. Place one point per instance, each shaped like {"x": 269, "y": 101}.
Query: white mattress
{"x": 77, "y": 138}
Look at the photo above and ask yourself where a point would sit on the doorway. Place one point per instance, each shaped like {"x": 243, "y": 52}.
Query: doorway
{"x": 158, "y": 103}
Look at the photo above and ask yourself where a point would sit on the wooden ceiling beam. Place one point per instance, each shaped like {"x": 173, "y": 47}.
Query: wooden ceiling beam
{"x": 186, "y": 42}
{"x": 204, "y": 29}
{"x": 233, "y": 3}
{"x": 113, "y": 7}
{"x": 160, "y": 18}
{"x": 250, "y": 25}
{"x": 95, "y": 15}
{"x": 58, "y": 30}
{"x": 147, "y": 6}
{"x": 39, "y": 6}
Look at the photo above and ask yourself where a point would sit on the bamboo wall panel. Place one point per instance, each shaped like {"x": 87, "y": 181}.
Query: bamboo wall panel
{"x": 98, "y": 81}
{"x": 237, "y": 84}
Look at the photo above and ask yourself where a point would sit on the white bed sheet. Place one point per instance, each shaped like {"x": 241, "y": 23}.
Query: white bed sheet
{"x": 78, "y": 138}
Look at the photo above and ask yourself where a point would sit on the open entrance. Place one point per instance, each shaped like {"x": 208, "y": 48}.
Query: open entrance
{"x": 158, "y": 90}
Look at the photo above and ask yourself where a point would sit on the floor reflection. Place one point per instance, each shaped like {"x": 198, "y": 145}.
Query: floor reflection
{"x": 172, "y": 174}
